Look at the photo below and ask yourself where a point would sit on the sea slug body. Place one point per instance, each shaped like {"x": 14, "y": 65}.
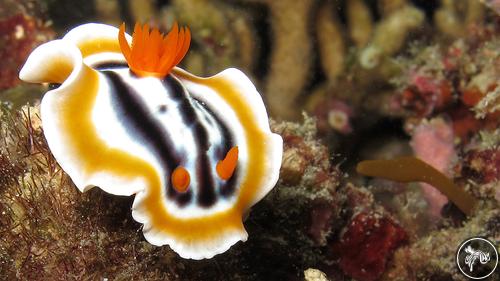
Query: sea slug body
{"x": 196, "y": 152}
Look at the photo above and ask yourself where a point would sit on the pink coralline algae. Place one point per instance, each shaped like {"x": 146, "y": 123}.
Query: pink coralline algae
{"x": 19, "y": 34}
{"x": 432, "y": 142}
{"x": 368, "y": 244}
{"x": 438, "y": 82}
{"x": 424, "y": 96}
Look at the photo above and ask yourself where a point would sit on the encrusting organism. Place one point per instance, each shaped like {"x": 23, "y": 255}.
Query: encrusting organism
{"x": 196, "y": 152}
{"x": 367, "y": 245}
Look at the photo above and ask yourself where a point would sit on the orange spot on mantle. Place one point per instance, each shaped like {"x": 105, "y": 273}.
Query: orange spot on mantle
{"x": 225, "y": 168}
{"x": 180, "y": 179}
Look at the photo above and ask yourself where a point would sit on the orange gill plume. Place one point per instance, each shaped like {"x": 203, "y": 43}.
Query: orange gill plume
{"x": 152, "y": 53}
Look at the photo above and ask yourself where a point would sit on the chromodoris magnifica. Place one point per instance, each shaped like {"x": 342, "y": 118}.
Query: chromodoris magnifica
{"x": 196, "y": 152}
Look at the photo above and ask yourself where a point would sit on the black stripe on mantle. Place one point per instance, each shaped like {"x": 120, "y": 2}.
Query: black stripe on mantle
{"x": 143, "y": 125}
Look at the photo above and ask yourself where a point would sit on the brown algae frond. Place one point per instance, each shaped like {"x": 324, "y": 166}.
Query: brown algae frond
{"x": 412, "y": 169}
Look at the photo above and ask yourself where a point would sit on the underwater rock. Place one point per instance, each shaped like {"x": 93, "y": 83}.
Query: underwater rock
{"x": 425, "y": 87}
{"x": 367, "y": 245}
{"x": 51, "y": 231}
{"x": 306, "y": 165}
{"x": 432, "y": 256}
{"x": 454, "y": 79}
{"x": 426, "y": 96}
{"x": 489, "y": 104}
{"x": 464, "y": 123}
{"x": 481, "y": 166}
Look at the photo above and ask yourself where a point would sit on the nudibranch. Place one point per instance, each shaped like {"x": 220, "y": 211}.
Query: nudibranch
{"x": 196, "y": 152}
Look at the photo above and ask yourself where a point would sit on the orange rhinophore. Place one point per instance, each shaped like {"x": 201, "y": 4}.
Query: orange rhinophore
{"x": 152, "y": 53}
{"x": 180, "y": 179}
{"x": 225, "y": 168}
